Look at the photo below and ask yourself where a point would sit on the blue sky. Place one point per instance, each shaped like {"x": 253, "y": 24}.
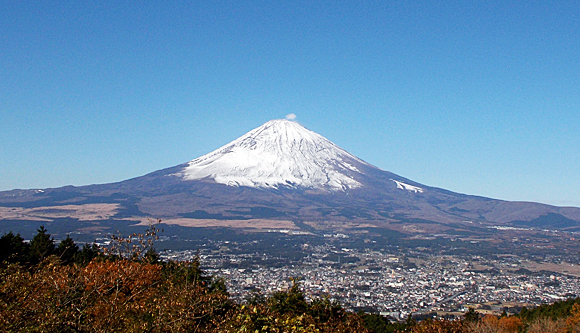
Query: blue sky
{"x": 478, "y": 97}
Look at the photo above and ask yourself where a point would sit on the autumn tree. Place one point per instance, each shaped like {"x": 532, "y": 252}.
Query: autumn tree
{"x": 439, "y": 326}
{"x": 136, "y": 246}
{"x": 491, "y": 323}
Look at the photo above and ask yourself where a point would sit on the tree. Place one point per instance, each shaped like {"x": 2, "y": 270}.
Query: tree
{"x": 41, "y": 246}
{"x": 410, "y": 321}
{"x": 439, "y": 326}
{"x": 13, "y": 249}
{"x": 67, "y": 250}
{"x": 256, "y": 297}
{"x": 291, "y": 300}
{"x": 137, "y": 246}
{"x": 87, "y": 253}
{"x": 471, "y": 316}
{"x": 380, "y": 324}
{"x": 573, "y": 322}
{"x": 151, "y": 256}
{"x": 510, "y": 324}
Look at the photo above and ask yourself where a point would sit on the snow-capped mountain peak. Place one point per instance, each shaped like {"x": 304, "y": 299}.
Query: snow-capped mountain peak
{"x": 280, "y": 153}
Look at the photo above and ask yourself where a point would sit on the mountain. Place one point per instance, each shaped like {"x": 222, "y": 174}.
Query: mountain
{"x": 279, "y": 154}
{"x": 280, "y": 176}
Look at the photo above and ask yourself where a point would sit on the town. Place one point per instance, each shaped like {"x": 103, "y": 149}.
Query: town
{"x": 393, "y": 281}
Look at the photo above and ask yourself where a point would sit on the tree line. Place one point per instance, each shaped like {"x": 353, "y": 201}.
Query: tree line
{"x": 14, "y": 250}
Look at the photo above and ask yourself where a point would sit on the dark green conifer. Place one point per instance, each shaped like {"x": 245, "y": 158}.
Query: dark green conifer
{"x": 87, "y": 253}
{"x": 41, "y": 246}
{"x": 410, "y": 321}
{"x": 67, "y": 250}
{"x": 471, "y": 316}
{"x": 290, "y": 301}
{"x": 13, "y": 249}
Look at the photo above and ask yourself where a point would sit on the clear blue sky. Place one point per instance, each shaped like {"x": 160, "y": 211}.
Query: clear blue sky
{"x": 478, "y": 97}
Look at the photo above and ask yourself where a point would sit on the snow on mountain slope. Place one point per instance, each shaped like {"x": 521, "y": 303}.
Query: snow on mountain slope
{"x": 280, "y": 153}
{"x": 410, "y": 188}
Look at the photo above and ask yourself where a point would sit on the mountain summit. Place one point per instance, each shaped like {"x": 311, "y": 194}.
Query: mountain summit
{"x": 280, "y": 153}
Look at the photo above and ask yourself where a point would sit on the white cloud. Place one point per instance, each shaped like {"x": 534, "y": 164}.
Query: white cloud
{"x": 291, "y": 116}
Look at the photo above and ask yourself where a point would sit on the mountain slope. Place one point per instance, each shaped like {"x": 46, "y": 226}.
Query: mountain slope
{"x": 280, "y": 153}
{"x": 278, "y": 172}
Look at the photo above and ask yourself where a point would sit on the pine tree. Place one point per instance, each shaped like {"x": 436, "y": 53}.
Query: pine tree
{"x": 289, "y": 301}
{"x": 87, "y": 253}
{"x": 13, "y": 249}
{"x": 41, "y": 246}
{"x": 471, "y": 316}
{"x": 67, "y": 250}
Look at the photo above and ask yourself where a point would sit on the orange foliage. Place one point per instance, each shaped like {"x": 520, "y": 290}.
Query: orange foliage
{"x": 491, "y": 323}
{"x": 136, "y": 296}
{"x": 439, "y": 326}
{"x": 104, "y": 296}
{"x": 510, "y": 324}
{"x": 544, "y": 324}
{"x": 490, "y": 320}
{"x": 573, "y": 322}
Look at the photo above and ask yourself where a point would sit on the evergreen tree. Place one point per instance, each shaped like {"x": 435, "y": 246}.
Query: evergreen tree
{"x": 41, "y": 246}
{"x": 410, "y": 321}
{"x": 524, "y": 313}
{"x": 13, "y": 249}
{"x": 67, "y": 250}
{"x": 471, "y": 316}
{"x": 290, "y": 301}
{"x": 379, "y": 324}
{"x": 87, "y": 253}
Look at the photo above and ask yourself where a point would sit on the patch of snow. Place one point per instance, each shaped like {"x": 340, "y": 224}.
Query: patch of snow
{"x": 498, "y": 227}
{"x": 403, "y": 186}
{"x": 280, "y": 153}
